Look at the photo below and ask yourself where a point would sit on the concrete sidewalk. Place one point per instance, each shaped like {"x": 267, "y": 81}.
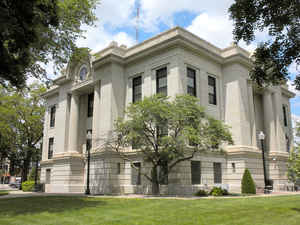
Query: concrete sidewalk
{"x": 18, "y": 193}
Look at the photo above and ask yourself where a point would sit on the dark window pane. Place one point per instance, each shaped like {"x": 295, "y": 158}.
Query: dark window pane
{"x": 163, "y": 173}
{"x": 136, "y": 174}
{"x": 90, "y": 104}
{"x": 217, "y": 173}
{"x": 83, "y": 73}
{"x": 118, "y": 168}
{"x": 52, "y": 116}
{"x": 196, "y": 172}
{"x": 212, "y": 92}
{"x": 191, "y": 82}
{"x": 50, "y": 148}
{"x": 137, "y": 89}
{"x": 284, "y": 116}
{"x": 161, "y": 81}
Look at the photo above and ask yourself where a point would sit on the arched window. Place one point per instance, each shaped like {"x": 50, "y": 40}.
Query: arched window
{"x": 83, "y": 73}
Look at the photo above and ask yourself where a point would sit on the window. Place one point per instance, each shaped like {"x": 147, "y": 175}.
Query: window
{"x": 90, "y": 105}
{"x": 136, "y": 174}
{"x": 162, "y": 131}
{"x": 212, "y": 92}
{"x": 88, "y": 141}
{"x": 50, "y": 148}
{"x": 83, "y": 73}
{"x": 287, "y": 140}
{"x": 284, "y": 116}
{"x": 163, "y": 173}
{"x": 217, "y": 173}
{"x": 233, "y": 167}
{"x": 196, "y": 172}
{"x": 48, "y": 176}
{"x": 118, "y": 168}
{"x": 52, "y": 116}
{"x": 191, "y": 82}
{"x": 161, "y": 81}
{"x": 137, "y": 89}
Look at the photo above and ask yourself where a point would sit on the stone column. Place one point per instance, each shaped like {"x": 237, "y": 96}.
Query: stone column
{"x": 269, "y": 122}
{"x": 96, "y": 115}
{"x": 74, "y": 119}
{"x": 252, "y": 115}
{"x": 279, "y": 122}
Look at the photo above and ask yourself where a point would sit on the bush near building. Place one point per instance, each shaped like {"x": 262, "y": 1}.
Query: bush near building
{"x": 217, "y": 191}
{"x": 248, "y": 185}
{"x": 28, "y": 186}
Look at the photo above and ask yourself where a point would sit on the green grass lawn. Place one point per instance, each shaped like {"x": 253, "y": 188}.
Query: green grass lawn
{"x": 283, "y": 210}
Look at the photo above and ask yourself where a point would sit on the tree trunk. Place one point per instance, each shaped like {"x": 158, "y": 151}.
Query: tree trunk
{"x": 155, "y": 182}
{"x": 25, "y": 168}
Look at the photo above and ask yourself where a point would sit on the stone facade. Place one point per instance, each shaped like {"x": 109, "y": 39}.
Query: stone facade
{"x": 108, "y": 75}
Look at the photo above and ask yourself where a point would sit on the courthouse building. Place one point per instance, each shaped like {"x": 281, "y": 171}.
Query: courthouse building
{"x": 92, "y": 93}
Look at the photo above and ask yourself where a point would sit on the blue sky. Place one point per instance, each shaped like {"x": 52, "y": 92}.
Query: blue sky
{"x": 207, "y": 19}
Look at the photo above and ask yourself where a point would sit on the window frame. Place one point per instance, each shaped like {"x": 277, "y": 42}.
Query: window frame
{"x": 136, "y": 82}
{"x": 90, "y": 105}
{"x": 214, "y": 86}
{"x": 285, "y": 119}
{"x": 193, "y": 175}
{"x": 52, "y": 116}
{"x": 194, "y": 81}
{"x": 217, "y": 165}
{"x": 50, "y": 147}
{"x": 161, "y": 76}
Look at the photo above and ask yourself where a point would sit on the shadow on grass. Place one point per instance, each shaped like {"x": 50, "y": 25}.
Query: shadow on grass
{"x": 296, "y": 209}
{"x": 50, "y": 204}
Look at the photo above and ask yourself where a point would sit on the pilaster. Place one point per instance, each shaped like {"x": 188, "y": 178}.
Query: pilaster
{"x": 74, "y": 120}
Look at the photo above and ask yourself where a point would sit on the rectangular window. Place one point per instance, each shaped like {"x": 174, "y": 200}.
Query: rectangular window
{"x": 118, "y": 168}
{"x": 50, "y": 148}
{"x": 89, "y": 141}
{"x": 90, "y": 105}
{"x": 191, "y": 82}
{"x": 196, "y": 172}
{"x": 233, "y": 167}
{"x": 284, "y": 116}
{"x": 212, "y": 92}
{"x": 48, "y": 176}
{"x": 163, "y": 173}
{"x": 136, "y": 89}
{"x": 287, "y": 140}
{"x": 162, "y": 131}
{"x": 52, "y": 116}
{"x": 217, "y": 173}
{"x": 161, "y": 81}
{"x": 136, "y": 174}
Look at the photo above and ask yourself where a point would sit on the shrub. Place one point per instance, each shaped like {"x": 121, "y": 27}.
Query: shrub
{"x": 201, "y": 193}
{"x": 3, "y": 193}
{"x": 28, "y": 186}
{"x": 248, "y": 185}
{"x": 217, "y": 191}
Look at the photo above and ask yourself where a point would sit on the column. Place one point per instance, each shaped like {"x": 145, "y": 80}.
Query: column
{"x": 269, "y": 121}
{"x": 96, "y": 115}
{"x": 252, "y": 114}
{"x": 279, "y": 122}
{"x": 74, "y": 119}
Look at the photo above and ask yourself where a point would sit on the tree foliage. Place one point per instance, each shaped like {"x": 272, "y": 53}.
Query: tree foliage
{"x": 248, "y": 185}
{"x": 167, "y": 133}
{"x": 21, "y": 123}
{"x": 282, "y": 20}
{"x": 294, "y": 160}
{"x": 37, "y": 31}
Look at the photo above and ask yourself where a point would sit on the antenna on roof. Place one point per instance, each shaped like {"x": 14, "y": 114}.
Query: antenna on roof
{"x": 137, "y": 23}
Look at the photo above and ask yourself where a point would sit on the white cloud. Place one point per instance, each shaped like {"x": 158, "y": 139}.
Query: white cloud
{"x": 294, "y": 68}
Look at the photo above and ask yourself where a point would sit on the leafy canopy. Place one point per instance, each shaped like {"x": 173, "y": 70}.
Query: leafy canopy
{"x": 281, "y": 18}
{"x": 38, "y": 31}
{"x": 294, "y": 160}
{"x": 168, "y": 132}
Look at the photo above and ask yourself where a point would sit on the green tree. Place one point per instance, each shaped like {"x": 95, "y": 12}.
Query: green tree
{"x": 37, "y": 31}
{"x": 21, "y": 123}
{"x": 294, "y": 160}
{"x": 248, "y": 185}
{"x": 167, "y": 133}
{"x": 282, "y": 20}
